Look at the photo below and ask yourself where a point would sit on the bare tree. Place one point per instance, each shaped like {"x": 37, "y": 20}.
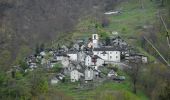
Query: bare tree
{"x": 134, "y": 71}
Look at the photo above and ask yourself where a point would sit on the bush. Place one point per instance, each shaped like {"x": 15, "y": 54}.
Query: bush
{"x": 114, "y": 67}
{"x": 57, "y": 67}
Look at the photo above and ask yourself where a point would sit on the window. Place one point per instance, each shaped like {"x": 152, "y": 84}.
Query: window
{"x": 103, "y": 54}
{"x": 94, "y": 36}
{"x": 116, "y": 56}
{"x": 110, "y": 57}
{"x": 110, "y": 52}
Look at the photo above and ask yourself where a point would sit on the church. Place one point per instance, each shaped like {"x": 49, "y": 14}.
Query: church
{"x": 109, "y": 54}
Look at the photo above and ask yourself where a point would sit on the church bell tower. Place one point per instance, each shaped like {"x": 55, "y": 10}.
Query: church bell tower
{"x": 95, "y": 39}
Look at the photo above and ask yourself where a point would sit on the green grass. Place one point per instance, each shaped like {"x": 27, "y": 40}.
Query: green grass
{"x": 132, "y": 16}
{"x": 106, "y": 90}
{"x": 124, "y": 87}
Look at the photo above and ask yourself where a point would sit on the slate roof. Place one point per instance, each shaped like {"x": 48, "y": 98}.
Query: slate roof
{"x": 96, "y": 56}
{"x": 104, "y": 52}
{"x": 72, "y": 52}
{"x": 61, "y": 54}
{"x": 107, "y": 49}
{"x": 136, "y": 54}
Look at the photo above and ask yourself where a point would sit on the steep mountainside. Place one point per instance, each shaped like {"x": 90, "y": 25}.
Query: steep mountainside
{"x": 25, "y": 23}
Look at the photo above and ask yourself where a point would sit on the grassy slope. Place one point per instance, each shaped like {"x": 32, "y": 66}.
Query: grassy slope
{"x": 132, "y": 19}
{"x": 108, "y": 90}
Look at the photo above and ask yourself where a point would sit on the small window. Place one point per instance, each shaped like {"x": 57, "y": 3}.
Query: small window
{"x": 103, "y": 54}
{"x": 94, "y": 36}
{"x": 110, "y": 57}
{"x": 110, "y": 52}
{"x": 116, "y": 56}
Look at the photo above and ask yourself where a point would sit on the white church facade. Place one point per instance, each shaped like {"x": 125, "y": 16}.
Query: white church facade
{"x": 108, "y": 54}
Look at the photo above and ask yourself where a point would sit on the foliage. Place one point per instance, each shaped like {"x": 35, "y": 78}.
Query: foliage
{"x": 39, "y": 82}
{"x": 23, "y": 65}
{"x": 154, "y": 80}
{"x": 13, "y": 89}
{"x": 23, "y": 52}
{"x": 5, "y": 58}
{"x": 108, "y": 41}
{"x": 18, "y": 75}
{"x": 39, "y": 48}
{"x": 57, "y": 67}
{"x": 114, "y": 67}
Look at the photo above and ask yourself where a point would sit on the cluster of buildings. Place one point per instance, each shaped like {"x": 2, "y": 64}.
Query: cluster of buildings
{"x": 83, "y": 60}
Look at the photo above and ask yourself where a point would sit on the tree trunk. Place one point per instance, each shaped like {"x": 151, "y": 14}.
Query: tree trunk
{"x": 134, "y": 86}
{"x": 162, "y": 2}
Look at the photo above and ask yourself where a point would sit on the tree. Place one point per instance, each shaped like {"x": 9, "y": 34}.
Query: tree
{"x": 57, "y": 67}
{"x": 105, "y": 22}
{"x": 37, "y": 49}
{"x": 134, "y": 72}
{"x": 38, "y": 81}
{"x": 42, "y": 47}
{"x": 13, "y": 89}
{"x": 162, "y": 2}
{"x": 165, "y": 93}
{"x": 154, "y": 80}
{"x": 108, "y": 41}
{"x": 5, "y": 58}
{"x": 23, "y": 52}
{"x": 23, "y": 64}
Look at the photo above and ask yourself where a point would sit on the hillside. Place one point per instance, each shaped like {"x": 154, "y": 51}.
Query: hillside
{"x": 133, "y": 23}
{"x": 27, "y": 23}
{"x": 28, "y": 27}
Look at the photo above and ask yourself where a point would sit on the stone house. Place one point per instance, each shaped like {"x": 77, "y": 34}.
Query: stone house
{"x": 112, "y": 73}
{"x": 73, "y": 55}
{"x": 75, "y": 75}
{"x": 65, "y": 62}
{"x": 94, "y": 61}
{"x": 89, "y": 74}
{"x": 88, "y": 60}
{"x": 59, "y": 56}
{"x": 54, "y": 80}
{"x": 134, "y": 56}
{"x": 57, "y": 78}
{"x": 81, "y": 56}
